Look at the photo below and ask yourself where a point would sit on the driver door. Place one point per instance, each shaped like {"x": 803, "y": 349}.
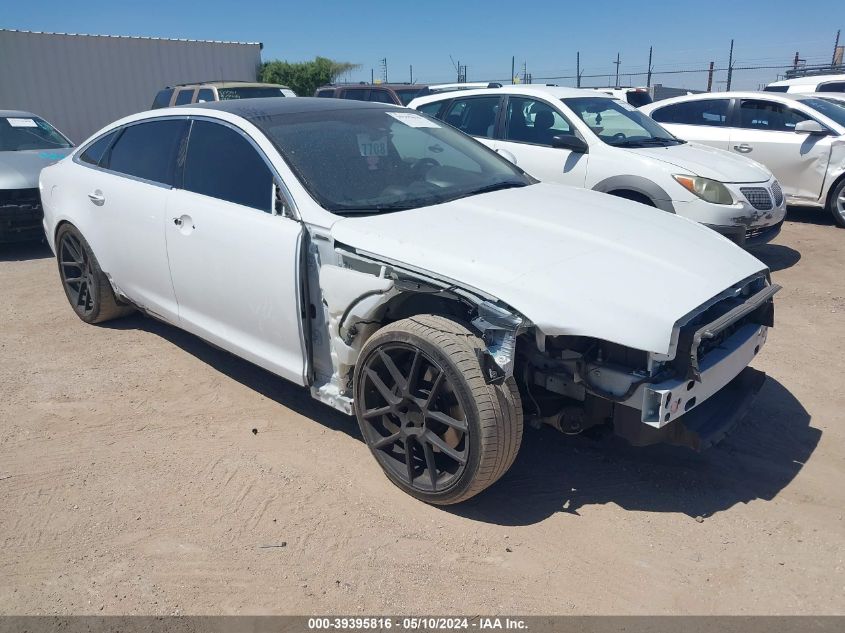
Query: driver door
{"x": 234, "y": 263}
{"x": 529, "y": 126}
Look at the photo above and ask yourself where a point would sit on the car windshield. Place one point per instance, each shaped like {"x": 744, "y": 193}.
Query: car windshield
{"x": 28, "y": 132}
{"x": 618, "y": 124}
{"x": 406, "y": 95}
{"x": 373, "y": 160}
{"x": 832, "y": 109}
{"x": 250, "y": 92}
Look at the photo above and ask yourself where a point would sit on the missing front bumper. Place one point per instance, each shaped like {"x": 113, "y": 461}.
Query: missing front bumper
{"x": 702, "y": 427}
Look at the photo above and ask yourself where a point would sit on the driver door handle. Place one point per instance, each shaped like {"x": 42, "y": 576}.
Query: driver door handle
{"x": 177, "y": 221}
{"x": 743, "y": 149}
{"x": 97, "y": 197}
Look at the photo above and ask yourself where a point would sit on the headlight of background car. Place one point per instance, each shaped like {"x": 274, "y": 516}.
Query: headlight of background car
{"x": 706, "y": 189}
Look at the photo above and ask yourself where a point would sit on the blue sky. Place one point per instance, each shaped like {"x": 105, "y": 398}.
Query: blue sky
{"x": 483, "y": 35}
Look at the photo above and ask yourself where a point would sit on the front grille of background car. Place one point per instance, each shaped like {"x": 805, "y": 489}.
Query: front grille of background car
{"x": 25, "y": 199}
{"x": 777, "y": 192}
{"x": 20, "y": 209}
{"x": 758, "y": 197}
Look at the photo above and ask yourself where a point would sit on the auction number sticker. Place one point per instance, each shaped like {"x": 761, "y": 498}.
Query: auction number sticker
{"x": 14, "y": 122}
{"x": 412, "y": 120}
{"x": 368, "y": 146}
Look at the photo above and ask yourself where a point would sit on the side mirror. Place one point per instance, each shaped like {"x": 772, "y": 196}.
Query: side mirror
{"x": 570, "y": 142}
{"x": 811, "y": 127}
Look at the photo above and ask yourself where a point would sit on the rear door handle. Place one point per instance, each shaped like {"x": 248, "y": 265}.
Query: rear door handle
{"x": 744, "y": 149}
{"x": 97, "y": 197}
{"x": 177, "y": 221}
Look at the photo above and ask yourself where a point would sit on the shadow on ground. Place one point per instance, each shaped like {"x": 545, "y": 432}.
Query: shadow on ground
{"x": 20, "y": 251}
{"x": 776, "y": 256}
{"x": 809, "y": 215}
{"x": 557, "y": 473}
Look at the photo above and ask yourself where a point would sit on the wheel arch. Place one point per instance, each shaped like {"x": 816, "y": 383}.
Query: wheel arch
{"x": 639, "y": 186}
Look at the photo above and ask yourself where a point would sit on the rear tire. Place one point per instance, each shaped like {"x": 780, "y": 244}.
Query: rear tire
{"x": 836, "y": 203}
{"x": 86, "y": 286}
{"x": 437, "y": 429}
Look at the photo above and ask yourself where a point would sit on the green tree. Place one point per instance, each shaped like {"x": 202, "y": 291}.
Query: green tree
{"x": 304, "y": 77}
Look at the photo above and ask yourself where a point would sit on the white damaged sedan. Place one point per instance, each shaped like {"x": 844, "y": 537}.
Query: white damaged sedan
{"x": 410, "y": 276}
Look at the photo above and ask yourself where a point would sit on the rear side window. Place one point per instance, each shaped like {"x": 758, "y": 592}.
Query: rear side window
{"x": 162, "y": 99}
{"x": 357, "y": 95}
{"x": 326, "y": 93}
{"x": 475, "y": 116}
{"x": 222, "y": 164}
{"x": 432, "y": 109}
{"x": 776, "y": 88}
{"x": 381, "y": 96}
{"x": 184, "y": 96}
{"x": 205, "y": 95}
{"x": 832, "y": 86}
{"x": 148, "y": 151}
{"x": 768, "y": 115}
{"x": 93, "y": 154}
{"x": 711, "y": 112}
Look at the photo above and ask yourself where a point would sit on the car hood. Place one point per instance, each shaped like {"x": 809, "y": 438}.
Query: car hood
{"x": 707, "y": 162}
{"x": 20, "y": 170}
{"x": 572, "y": 261}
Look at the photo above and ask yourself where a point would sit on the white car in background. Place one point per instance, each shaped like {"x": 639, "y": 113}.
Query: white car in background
{"x": 584, "y": 138}
{"x": 801, "y": 138}
{"x": 810, "y": 83}
{"x": 410, "y": 276}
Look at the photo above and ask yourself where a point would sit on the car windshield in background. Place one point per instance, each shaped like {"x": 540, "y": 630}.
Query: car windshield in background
{"x": 834, "y": 110}
{"x": 619, "y": 124}
{"x": 371, "y": 160}
{"x": 249, "y": 92}
{"x": 406, "y": 95}
{"x": 22, "y": 133}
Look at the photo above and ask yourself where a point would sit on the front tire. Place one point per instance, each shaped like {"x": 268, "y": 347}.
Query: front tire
{"x": 86, "y": 286}
{"x": 437, "y": 429}
{"x": 836, "y": 203}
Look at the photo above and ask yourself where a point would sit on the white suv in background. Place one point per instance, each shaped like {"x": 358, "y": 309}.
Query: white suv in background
{"x": 811, "y": 83}
{"x": 801, "y": 138}
{"x": 588, "y": 139}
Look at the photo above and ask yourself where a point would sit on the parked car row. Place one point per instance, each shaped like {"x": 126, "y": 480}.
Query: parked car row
{"x": 415, "y": 278}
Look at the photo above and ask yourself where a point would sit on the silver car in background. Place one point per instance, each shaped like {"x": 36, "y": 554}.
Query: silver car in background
{"x": 27, "y": 144}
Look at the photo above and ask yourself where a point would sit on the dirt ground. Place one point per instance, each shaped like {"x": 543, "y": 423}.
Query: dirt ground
{"x": 132, "y": 481}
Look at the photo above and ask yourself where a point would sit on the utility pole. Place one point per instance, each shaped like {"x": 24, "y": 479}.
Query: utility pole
{"x": 384, "y": 69}
{"x": 710, "y": 78}
{"x": 578, "y": 69}
{"x": 513, "y": 68}
{"x": 525, "y": 72}
{"x": 648, "y": 79}
{"x": 617, "y": 62}
{"x": 730, "y": 67}
{"x": 372, "y": 76}
{"x": 835, "y": 50}
{"x": 412, "y": 73}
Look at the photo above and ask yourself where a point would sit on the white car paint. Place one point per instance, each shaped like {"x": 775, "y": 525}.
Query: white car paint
{"x": 806, "y": 166}
{"x": 564, "y": 261}
{"x": 648, "y": 171}
{"x": 810, "y": 83}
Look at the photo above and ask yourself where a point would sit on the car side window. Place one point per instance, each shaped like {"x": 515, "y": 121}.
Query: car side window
{"x": 162, "y": 99}
{"x": 184, "y": 96}
{"x": 147, "y": 150}
{"x": 222, "y": 164}
{"x": 356, "y": 94}
{"x": 432, "y": 109}
{"x": 475, "y": 116}
{"x": 532, "y": 121}
{"x": 93, "y": 154}
{"x": 832, "y": 86}
{"x": 710, "y": 112}
{"x": 329, "y": 92}
{"x": 381, "y": 96}
{"x": 757, "y": 114}
{"x": 205, "y": 95}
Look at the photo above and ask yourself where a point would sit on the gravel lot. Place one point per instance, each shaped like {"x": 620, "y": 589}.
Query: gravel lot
{"x": 142, "y": 471}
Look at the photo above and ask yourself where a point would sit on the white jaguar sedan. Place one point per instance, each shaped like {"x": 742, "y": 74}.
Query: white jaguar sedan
{"x": 410, "y": 276}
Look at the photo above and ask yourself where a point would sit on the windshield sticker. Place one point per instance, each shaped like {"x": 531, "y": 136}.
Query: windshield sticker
{"x": 22, "y": 122}
{"x": 372, "y": 146}
{"x": 412, "y": 120}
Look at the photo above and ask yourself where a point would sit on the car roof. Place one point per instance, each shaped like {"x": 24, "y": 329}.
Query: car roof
{"x": 534, "y": 90}
{"x": 228, "y": 84}
{"x": 17, "y": 113}
{"x": 734, "y": 94}
{"x": 271, "y": 106}
{"x": 808, "y": 79}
